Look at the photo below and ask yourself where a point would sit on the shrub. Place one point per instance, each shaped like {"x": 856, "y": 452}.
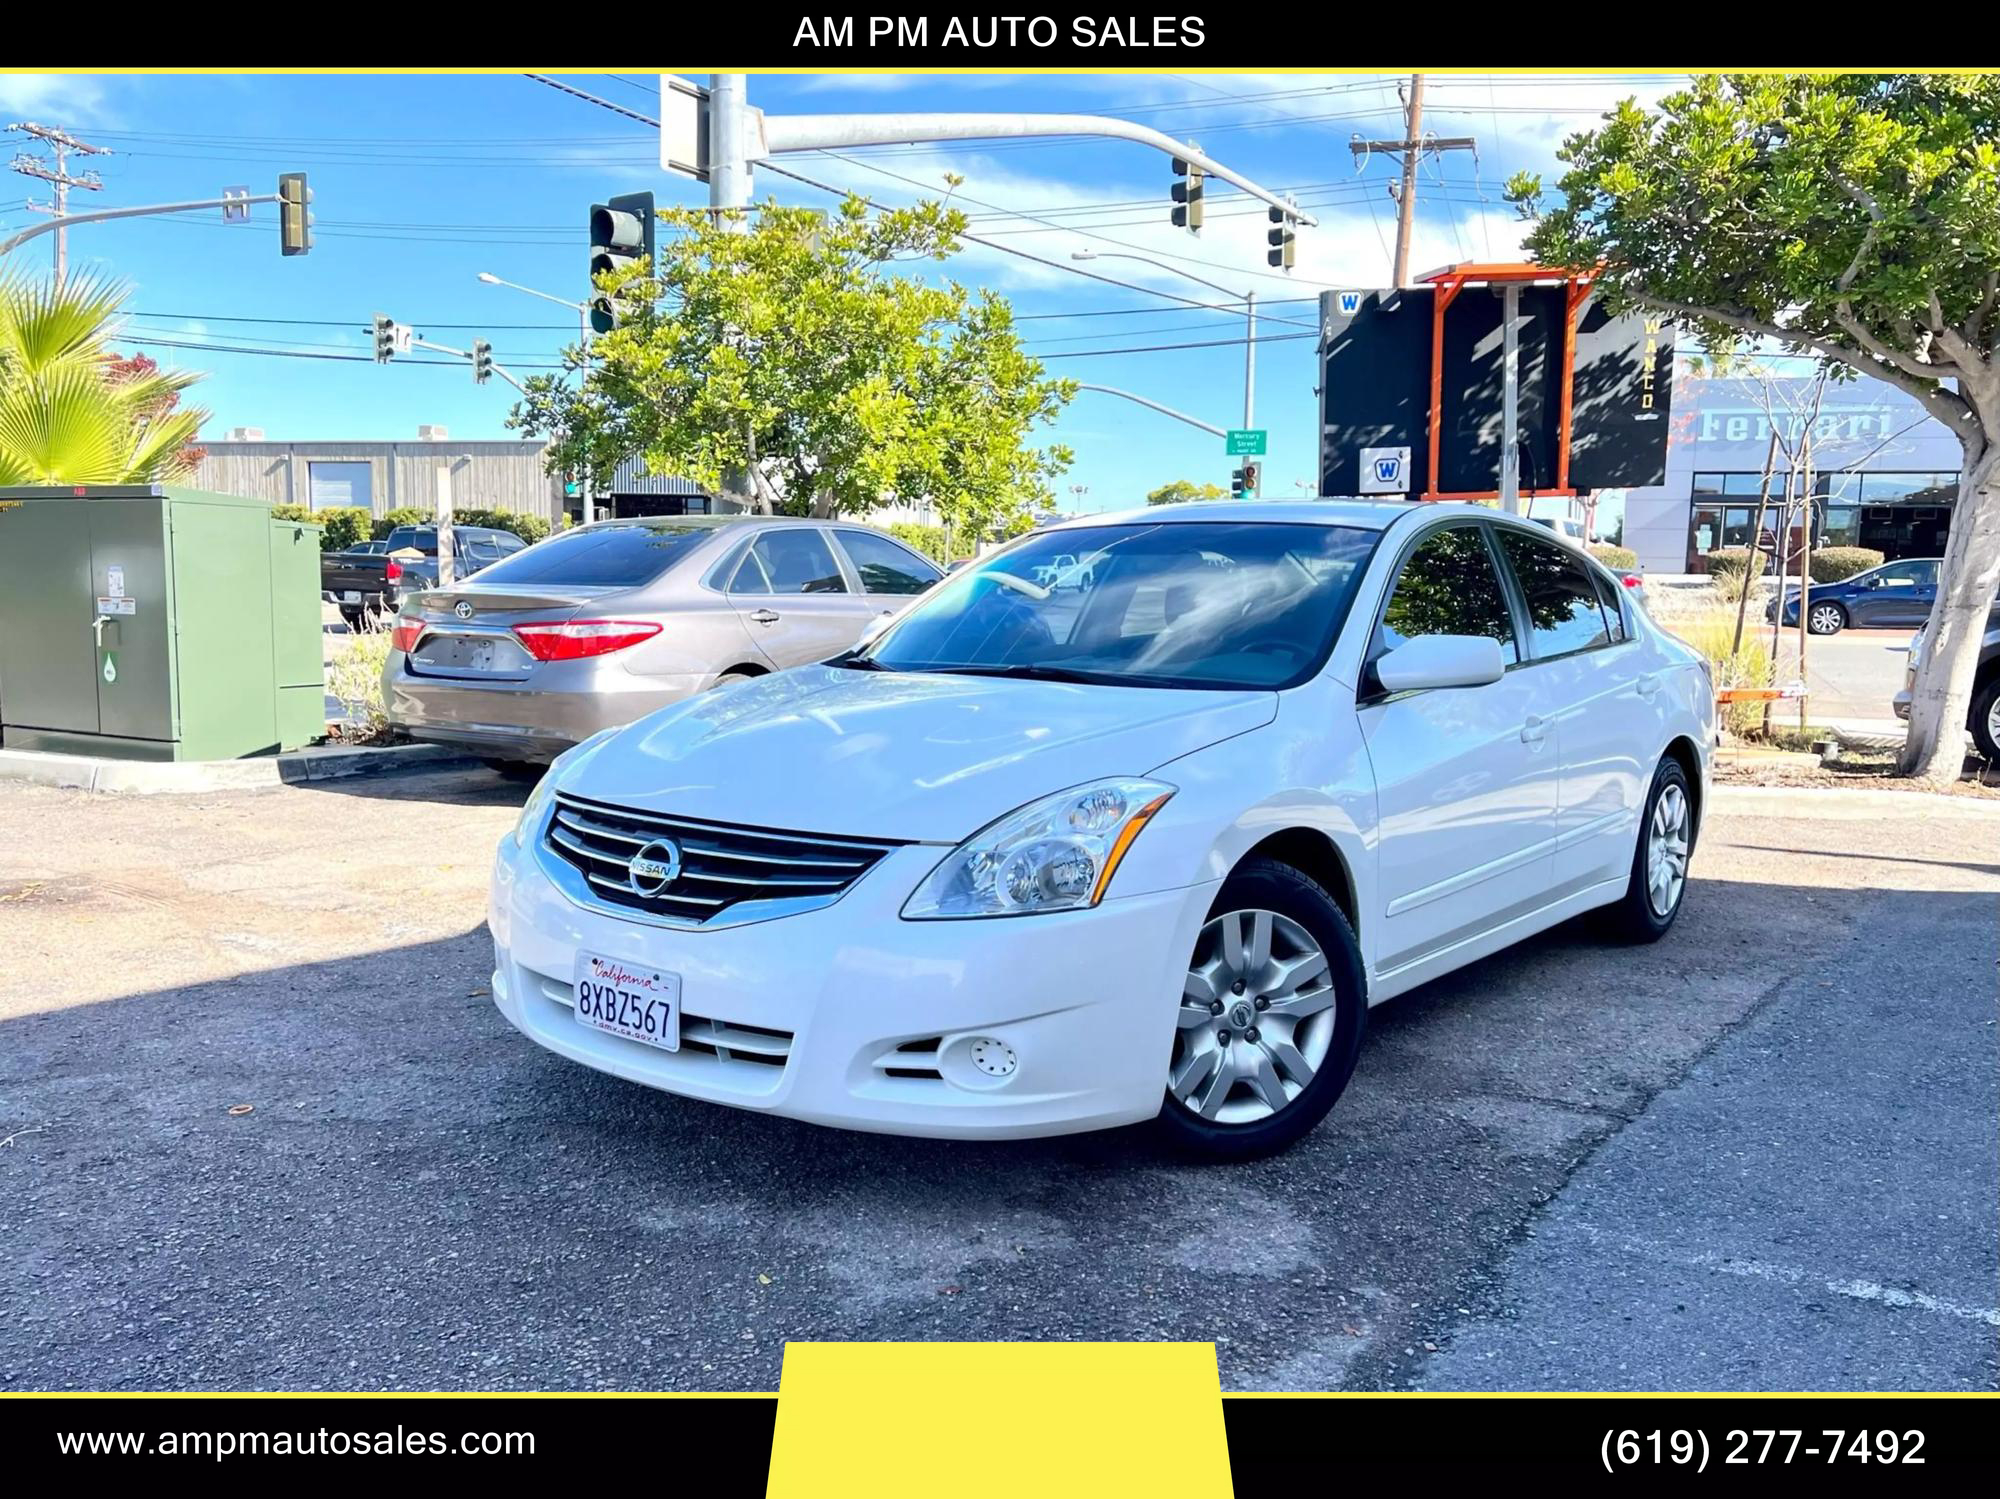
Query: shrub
{"x": 1618, "y": 559}
{"x": 299, "y": 513}
{"x": 344, "y": 527}
{"x": 1832, "y": 564}
{"x": 354, "y": 677}
{"x": 530, "y": 528}
{"x": 933, "y": 541}
{"x": 402, "y": 515}
{"x": 1712, "y": 634}
{"x": 1725, "y": 561}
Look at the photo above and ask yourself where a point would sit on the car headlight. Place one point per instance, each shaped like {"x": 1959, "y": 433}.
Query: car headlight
{"x": 1055, "y": 854}
{"x": 536, "y": 808}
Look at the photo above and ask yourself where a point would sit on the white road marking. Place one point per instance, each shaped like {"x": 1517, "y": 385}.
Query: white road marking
{"x": 1791, "y": 1275}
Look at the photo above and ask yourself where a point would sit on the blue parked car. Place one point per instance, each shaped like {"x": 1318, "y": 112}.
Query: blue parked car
{"x": 1894, "y": 594}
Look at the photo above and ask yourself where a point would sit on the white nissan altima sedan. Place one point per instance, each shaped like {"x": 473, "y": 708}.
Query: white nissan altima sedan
{"x": 1036, "y": 859}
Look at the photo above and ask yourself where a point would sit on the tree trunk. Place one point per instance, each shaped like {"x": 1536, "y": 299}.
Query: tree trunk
{"x": 1967, "y": 579}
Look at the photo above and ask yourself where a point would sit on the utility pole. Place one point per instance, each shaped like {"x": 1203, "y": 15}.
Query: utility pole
{"x": 56, "y": 173}
{"x": 1411, "y": 149}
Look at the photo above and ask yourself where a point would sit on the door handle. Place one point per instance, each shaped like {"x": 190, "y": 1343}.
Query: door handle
{"x": 766, "y": 616}
{"x": 97, "y": 624}
{"x": 1534, "y": 731}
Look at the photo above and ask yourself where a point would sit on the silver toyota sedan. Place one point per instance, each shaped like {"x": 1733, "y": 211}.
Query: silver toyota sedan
{"x": 600, "y": 625}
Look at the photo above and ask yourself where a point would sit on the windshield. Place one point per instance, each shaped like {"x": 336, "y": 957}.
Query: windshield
{"x": 1229, "y": 604}
{"x": 609, "y": 554}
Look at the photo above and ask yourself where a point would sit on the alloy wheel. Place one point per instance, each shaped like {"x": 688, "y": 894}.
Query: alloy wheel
{"x": 1667, "y": 851}
{"x": 1256, "y": 1018}
{"x": 1825, "y": 620}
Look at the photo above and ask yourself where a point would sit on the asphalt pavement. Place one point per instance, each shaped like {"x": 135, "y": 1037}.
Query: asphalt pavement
{"x": 261, "y": 1127}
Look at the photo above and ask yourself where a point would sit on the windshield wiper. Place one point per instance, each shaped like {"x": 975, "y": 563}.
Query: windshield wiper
{"x": 855, "y": 661}
{"x": 1028, "y": 671}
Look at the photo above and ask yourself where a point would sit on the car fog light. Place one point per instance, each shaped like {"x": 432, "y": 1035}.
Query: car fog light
{"x": 992, "y": 1057}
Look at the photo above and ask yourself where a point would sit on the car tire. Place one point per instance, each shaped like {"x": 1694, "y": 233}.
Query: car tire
{"x": 1668, "y": 820}
{"x": 516, "y": 770}
{"x": 1986, "y": 719}
{"x": 1826, "y": 619}
{"x": 352, "y": 617}
{"x": 1233, "y": 1036}
{"x": 729, "y": 678}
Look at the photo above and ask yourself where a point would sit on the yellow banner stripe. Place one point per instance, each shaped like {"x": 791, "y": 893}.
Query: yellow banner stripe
{"x": 1047, "y": 1420}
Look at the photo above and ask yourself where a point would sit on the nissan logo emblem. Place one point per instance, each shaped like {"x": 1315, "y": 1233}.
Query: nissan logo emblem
{"x": 462, "y": 609}
{"x": 654, "y": 867}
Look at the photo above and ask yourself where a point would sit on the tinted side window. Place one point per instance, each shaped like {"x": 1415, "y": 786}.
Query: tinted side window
{"x": 788, "y": 561}
{"x": 1614, "y": 607}
{"x": 1564, "y": 614}
{"x": 884, "y": 565}
{"x": 1448, "y": 587}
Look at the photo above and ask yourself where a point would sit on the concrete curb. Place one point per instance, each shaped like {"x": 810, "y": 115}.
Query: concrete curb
{"x": 190, "y": 777}
{"x": 1849, "y": 802}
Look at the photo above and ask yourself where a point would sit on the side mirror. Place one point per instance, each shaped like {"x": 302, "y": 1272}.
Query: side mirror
{"x": 1441, "y": 661}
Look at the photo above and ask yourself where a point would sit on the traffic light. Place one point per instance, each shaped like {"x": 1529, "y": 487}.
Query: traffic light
{"x": 482, "y": 361}
{"x": 1244, "y": 482}
{"x": 1280, "y": 239}
{"x": 1187, "y": 196}
{"x": 620, "y": 232}
{"x": 385, "y": 338}
{"x": 1236, "y": 484}
{"x": 295, "y": 234}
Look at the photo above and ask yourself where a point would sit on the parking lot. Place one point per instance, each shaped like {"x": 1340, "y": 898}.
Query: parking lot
{"x": 261, "y": 1127}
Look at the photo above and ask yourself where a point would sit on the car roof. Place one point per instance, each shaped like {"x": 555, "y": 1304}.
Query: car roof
{"x": 1372, "y": 515}
{"x": 709, "y": 522}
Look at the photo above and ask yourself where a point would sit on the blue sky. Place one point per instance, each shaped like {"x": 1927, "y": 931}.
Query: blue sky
{"x": 422, "y": 181}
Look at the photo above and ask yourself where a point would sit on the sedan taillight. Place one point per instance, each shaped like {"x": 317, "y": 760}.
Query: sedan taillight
{"x": 572, "y": 639}
{"x": 1633, "y": 580}
{"x": 406, "y": 634}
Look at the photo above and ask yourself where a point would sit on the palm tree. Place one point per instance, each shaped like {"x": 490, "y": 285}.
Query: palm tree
{"x": 70, "y": 412}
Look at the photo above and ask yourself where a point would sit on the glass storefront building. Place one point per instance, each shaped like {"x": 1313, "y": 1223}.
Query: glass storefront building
{"x": 1885, "y": 474}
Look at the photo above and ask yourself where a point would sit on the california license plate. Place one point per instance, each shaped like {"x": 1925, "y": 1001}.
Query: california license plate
{"x": 350, "y": 595}
{"x": 640, "y": 1004}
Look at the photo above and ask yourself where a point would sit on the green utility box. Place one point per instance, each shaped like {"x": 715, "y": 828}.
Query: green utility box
{"x": 153, "y": 622}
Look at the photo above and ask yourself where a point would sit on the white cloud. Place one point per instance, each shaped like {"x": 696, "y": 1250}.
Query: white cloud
{"x": 68, "y": 99}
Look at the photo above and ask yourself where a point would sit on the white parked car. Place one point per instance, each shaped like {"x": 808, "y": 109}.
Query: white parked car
{"x": 1026, "y": 862}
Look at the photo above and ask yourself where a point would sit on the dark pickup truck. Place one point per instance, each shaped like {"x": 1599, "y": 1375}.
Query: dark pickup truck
{"x": 368, "y": 582}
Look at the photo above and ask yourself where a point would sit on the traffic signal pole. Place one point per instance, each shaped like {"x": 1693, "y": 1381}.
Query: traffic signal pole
{"x": 739, "y": 135}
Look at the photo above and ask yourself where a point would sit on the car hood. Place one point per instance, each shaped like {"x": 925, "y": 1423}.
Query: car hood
{"x": 924, "y": 757}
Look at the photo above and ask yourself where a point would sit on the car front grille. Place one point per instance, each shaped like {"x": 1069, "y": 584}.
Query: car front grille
{"x": 726, "y": 873}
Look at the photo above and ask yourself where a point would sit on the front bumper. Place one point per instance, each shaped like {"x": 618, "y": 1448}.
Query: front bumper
{"x": 853, "y": 1017}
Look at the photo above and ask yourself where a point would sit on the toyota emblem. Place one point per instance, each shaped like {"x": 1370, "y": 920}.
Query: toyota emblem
{"x": 462, "y": 609}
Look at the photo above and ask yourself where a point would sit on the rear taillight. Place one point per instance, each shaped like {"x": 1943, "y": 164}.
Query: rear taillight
{"x": 392, "y": 570}
{"x": 1632, "y": 580}
{"x": 570, "y": 639}
{"x": 406, "y": 634}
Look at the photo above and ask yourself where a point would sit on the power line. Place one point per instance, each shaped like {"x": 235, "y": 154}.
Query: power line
{"x": 1213, "y": 343}
{"x": 170, "y": 343}
{"x": 308, "y": 322}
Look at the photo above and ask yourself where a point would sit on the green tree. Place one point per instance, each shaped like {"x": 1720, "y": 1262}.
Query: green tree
{"x": 71, "y": 411}
{"x": 1182, "y": 490}
{"x": 1852, "y": 216}
{"x": 782, "y": 359}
